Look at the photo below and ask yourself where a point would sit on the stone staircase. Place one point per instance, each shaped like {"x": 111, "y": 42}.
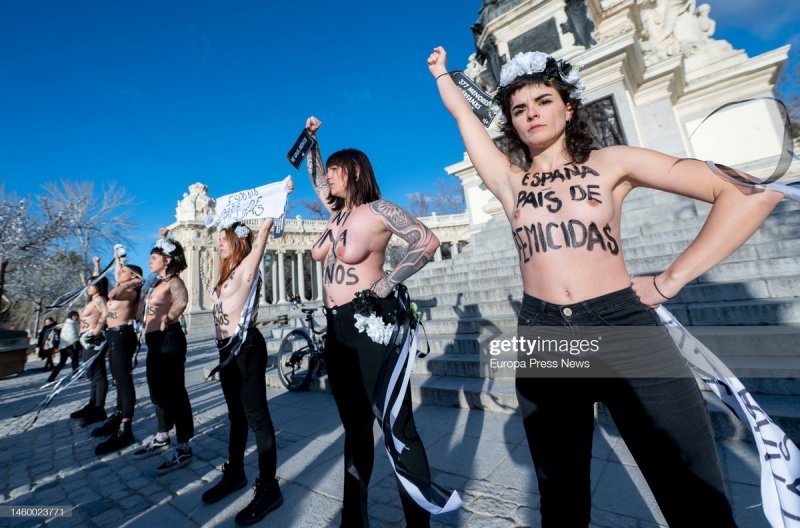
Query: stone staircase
{"x": 474, "y": 297}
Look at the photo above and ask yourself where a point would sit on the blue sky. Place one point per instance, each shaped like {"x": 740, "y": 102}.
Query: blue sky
{"x": 156, "y": 95}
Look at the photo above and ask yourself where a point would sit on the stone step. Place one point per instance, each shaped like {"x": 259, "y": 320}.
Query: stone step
{"x": 746, "y": 312}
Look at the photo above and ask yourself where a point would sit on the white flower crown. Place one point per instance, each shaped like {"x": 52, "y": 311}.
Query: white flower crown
{"x": 242, "y": 231}
{"x": 526, "y": 63}
{"x": 165, "y": 245}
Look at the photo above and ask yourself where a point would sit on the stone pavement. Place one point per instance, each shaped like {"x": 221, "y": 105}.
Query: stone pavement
{"x": 482, "y": 454}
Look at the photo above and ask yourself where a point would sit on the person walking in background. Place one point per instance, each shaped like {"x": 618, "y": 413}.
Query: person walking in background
{"x": 48, "y": 342}
{"x": 68, "y": 346}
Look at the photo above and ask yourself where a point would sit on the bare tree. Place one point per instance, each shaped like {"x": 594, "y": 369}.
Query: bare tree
{"x": 315, "y": 208}
{"x": 448, "y": 197}
{"x": 97, "y": 220}
{"x": 419, "y": 204}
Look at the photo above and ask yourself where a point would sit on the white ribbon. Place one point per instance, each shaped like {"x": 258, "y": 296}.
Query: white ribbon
{"x": 780, "y": 458}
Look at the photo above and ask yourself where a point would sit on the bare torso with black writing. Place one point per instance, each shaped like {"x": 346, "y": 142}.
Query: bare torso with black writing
{"x": 160, "y": 301}
{"x": 352, "y": 249}
{"x": 229, "y": 300}
{"x": 566, "y": 228}
{"x": 91, "y": 313}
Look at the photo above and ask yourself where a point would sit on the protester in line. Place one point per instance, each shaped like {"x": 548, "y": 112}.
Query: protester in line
{"x": 122, "y": 343}
{"x": 93, "y": 341}
{"x": 243, "y": 377}
{"x": 564, "y": 202}
{"x": 48, "y": 342}
{"x": 352, "y": 248}
{"x": 166, "y": 355}
{"x": 68, "y": 346}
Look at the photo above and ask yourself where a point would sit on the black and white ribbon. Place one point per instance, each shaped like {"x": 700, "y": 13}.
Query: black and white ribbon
{"x": 779, "y": 456}
{"x": 388, "y": 398}
{"x": 246, "y": 320}
{"x": 71, "y": 297}
{"x": 61, "y": 385}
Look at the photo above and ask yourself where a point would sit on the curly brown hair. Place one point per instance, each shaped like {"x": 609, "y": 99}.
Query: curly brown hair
{"x": 579, "y": 141}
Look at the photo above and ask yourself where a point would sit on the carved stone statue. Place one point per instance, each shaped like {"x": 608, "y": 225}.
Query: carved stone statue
{"x": 195, "y": 205}
{"x": 676, "y": 27}
{"x": 578, "y": 23}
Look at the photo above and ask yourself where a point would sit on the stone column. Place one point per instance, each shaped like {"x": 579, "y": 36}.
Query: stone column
{"x": 293, "y": 269}
{"x": 281, "y": 279}
{"x": 454, "y": 248}
{"x": 438, "y": 255}
{"x": 318, "y": 270}
{"x": 263, "y": 269}
{"x": 301, "y": 276}
{"x": 274, "y": 274}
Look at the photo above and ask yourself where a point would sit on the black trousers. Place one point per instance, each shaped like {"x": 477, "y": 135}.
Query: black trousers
{"x": 663, "y": 421}
{"x": 244, "y": 386}
{"x": 121, "y": 348}
{"x": 68, "y": 352}
{"x": 98, "y": 375}
{"x": 166, "y": 357}
{"x": 354, "y": 363}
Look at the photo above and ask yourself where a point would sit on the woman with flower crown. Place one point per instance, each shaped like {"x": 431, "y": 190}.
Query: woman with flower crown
{"x": 165, "y": 302}
{"x": 242, "y": 375}
{"x": 564, "y": 201}
{"x": 353, "y": 249}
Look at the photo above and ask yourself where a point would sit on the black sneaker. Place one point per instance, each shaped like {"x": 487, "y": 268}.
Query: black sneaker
{"x": 177, "y": 458}
{"x": 83, "y": 411}
{"x": 95, "y": 415}
{"x": 109, "y": 427}
{"x": 153, "y": 447}
{"x": 115, "y": 442}
{"x": 267, "y": 497}
{"x": 233, "y": 478}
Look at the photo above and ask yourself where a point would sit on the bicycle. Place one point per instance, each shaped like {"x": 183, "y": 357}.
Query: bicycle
{"x": 300, "y": 356}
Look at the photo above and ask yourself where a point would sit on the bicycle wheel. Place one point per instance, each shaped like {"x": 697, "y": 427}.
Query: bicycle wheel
{"x": 296, "y": 360}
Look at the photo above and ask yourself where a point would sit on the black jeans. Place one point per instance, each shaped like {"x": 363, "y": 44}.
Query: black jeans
{"x": 166, "y": 357}
{"x": 662, "y": 420}
{"x": 98, "y": 375}
{"x": 121, "y": 347}
{"x": 244, "y": 386}
{"x": 68, "y": 352}
{"x": 354, "y": 363}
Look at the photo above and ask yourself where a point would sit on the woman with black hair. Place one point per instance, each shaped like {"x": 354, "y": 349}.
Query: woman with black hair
{"x": 122, "y": 342}
{"x": 166, "y": 354}
{"x": 564, "y": 203}
{"x": 93, "y": 342}
{"x": 353, "y": 249}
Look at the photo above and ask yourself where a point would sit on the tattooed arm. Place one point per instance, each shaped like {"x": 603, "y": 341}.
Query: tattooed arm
{"x": 316, "y": 169}
{"x": 180, "y": 298}
{"x": 422, "y": 244}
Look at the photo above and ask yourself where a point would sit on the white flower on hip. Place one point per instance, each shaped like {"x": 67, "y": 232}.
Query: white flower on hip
{"x": 375, "y": 328}
{"x": 242, "y": 231}
{"x": 165, "y": 245}
{"x": 523, "y": 64}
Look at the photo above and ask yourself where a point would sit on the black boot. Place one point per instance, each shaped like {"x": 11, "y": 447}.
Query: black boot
{"x": 267, "y": 498}
{"x": 109, "y": 427}
{"x": 122, "y": 438}
{"x": 95, "y": 414}
{"x": 83, "y": 411}
{"x": 233, "y": 478}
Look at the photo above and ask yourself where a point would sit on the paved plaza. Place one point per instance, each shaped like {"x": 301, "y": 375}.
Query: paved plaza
{"x": 482, "y": 454}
